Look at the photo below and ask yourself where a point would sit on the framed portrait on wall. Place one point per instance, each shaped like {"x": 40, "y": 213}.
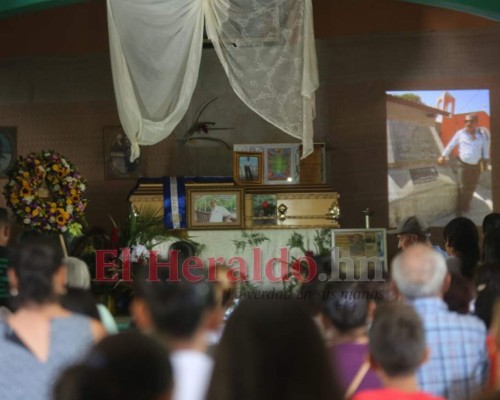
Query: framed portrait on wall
{"x": 8, "y": 149}
{"x": 247, "y": 167}
{"x": 117, "y": 164}
{"x": 212, "y": 207}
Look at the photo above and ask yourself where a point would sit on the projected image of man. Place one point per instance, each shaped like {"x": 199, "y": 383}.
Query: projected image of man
{"x": 473, "y": 149}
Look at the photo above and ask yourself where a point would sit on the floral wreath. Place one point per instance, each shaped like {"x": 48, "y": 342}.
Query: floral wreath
{"x": 46, "y": 192}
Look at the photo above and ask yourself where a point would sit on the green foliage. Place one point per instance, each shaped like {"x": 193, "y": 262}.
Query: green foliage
{"x": 412, "y": 97}
{"x": 146, "y": 228}
{"x": 322, "y": 246}
{"x": 253, "y": 239}
{"x": 321, "y": 242}
{"x": 296, "y": 241}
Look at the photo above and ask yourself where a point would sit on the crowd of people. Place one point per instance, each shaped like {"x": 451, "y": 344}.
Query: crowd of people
{"x": 431, "y": 331}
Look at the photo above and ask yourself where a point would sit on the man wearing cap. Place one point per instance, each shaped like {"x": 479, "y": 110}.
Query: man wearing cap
{"x": 473, "y": 148}
{"x": 413, "y": 230}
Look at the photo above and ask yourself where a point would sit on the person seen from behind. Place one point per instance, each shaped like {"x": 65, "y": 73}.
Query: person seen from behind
{"x": 126, "y": 366}
{"x": 397, "y": 349}
{"x": 272, "y": 349}
{"x": 458, "y": 364}
{"x": 40, "y": 338}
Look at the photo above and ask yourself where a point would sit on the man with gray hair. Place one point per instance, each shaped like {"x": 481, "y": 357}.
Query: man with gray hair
{"x": 458, "y": 363}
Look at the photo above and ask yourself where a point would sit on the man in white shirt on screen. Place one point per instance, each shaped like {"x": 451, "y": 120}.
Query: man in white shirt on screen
{"x": 473, "y": 149}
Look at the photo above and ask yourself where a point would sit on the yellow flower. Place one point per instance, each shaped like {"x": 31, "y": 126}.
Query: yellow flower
{"x": 61, "y": 217}
{"x": 27, "y": 209}
{"x": 55, "y": 167}
{"x": 35, "y": 212}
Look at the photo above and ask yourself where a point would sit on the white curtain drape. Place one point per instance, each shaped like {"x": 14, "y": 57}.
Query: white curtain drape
{"x": 265, "y": 46}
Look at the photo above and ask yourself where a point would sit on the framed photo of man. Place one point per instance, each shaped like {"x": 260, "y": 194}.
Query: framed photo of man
{"x": 211, "y": 207}
{"x": 8, "y": 149}
{"x": 247, "y": 167}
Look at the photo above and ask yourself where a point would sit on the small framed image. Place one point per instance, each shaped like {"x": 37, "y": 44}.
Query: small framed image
{"x": 281, "y": 161}
{"x": 117, "y": 163}
{"x": 8, "y": 149}
{"x": 247, "y": 167}
{"x": 212, "y": 207}
{"x": 282, "y": 164}
{"x": 264, "y": 210}
{"x": 360, "y": 253}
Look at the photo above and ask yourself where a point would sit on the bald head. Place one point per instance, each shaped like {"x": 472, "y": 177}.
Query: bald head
{"x": 419, "y": 271}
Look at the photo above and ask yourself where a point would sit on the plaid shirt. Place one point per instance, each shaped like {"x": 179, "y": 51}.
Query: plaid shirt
{"x": 458, "y": 365}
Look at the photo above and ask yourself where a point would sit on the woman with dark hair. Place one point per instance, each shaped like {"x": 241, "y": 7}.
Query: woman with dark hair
{"x": 491, "y": 221}
{"x": 126, "y": 366}
{"x": 461, "y": 239}
{"x": 41, "y": 337}
{"x": 347, "y": 308}
{"x": 491, "y": 246}
{"x": 271, "y": 349}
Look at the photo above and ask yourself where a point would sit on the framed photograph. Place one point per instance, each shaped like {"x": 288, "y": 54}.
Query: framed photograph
{"x": 215, "y": 207}
{"x": 8, "y": 149}
{"x": 360, "y": 253}
{"x": 117, "y": 163}
{"x": 264, "y": 209}
{"x": 247, "y": 167}
{"x": 281, "y": 161}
